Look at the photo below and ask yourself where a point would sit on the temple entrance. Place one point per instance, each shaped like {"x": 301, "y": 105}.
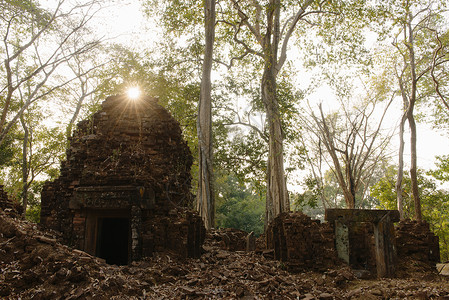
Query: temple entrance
{"x": 113, "y": 240}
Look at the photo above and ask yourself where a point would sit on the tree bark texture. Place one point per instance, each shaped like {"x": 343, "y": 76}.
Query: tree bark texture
{"x": 24, "y": 165}
{"x": 412, "y": 123}
{"x": 205, "y": 197}
{"x": 277, "y": 200}
{"x": 398, "y": 185}
{"x": 413, "y": 168}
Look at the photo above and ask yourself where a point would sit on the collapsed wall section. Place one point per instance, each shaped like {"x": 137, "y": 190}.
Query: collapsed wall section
{"x": 416, "y": 241}
{"x": 300, "y": 242}
{"x": 365, "y": 240}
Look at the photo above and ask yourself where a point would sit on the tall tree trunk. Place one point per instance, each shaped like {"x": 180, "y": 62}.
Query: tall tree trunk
{"x": 277, "y": 196}
{"x": 350, "y": 197}
{"x": 398, "y": 185}
{"x": 412, "y": 124}
{"x": 74, "y": 117}
{"x": 24, "y": 165}
{"x": 7, "y": 99}
{"x": 413, "y": 168}
{"x": 205, "y": 197}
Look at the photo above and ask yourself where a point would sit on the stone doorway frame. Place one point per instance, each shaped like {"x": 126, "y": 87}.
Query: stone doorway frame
{"x": 93, "y": 217}
{"x": 384, "y": 235}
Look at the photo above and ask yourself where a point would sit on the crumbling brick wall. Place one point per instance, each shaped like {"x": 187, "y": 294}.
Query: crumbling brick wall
{"x": 302, "y": 243}
{"x": 130, "y": 160}
{"x": 416, "y": 241}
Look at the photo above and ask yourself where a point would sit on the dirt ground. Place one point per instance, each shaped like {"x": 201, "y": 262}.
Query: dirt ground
{"x": 34, "y": 265}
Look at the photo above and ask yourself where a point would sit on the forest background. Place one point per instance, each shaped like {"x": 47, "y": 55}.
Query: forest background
{"x": 354, "y": 78}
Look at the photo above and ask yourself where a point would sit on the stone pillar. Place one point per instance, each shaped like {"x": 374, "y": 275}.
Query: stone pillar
{"x": 385, "y": 242}
{"x": 342, "y": 240}
{"x": 136, "y": 231}
{"x": 250, "y": 242}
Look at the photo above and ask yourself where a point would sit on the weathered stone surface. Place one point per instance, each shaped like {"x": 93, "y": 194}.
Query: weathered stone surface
{"x": 127, "y": 166}
{"x": 365, "y": 238}
{"x": 230, "y": 239}
{"x": 302, "y": 243}
{"x": 416, "y": 241}
{"x": 360, "y": 215}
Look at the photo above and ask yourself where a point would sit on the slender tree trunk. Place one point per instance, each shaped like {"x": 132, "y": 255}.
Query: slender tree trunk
{"x": 277, "y": 200}
{"x": 413, "y": 168}
{"x": 398, "y": 185}
{"x": 350, "y": 201}
{"x": 412, "y": 124}
{"x": 24, "y": 165}
{"x": 205, "y": 197}
{"x": 8, "y": 97}
{"x": 74, "y": 117}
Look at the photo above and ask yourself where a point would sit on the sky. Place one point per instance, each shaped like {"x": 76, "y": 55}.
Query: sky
{"x": 124, "y": 22}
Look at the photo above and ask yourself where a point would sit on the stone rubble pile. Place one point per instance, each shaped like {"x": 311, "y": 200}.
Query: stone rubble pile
{"x": 34, "y": 265}
{"x": 230, "y": 239}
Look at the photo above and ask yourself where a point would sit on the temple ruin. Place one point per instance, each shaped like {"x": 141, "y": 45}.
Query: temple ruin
{"x": 365, "y": 240}
{"x": 124, "y": 189}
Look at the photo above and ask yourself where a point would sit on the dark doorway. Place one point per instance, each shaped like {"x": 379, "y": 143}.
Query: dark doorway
{"x": 113, "y": 240}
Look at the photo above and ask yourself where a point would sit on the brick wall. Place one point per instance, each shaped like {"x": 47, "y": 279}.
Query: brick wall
{"x": 302, "y": 243}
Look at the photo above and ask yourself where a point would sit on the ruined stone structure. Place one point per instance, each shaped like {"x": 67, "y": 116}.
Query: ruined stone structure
{"x": 363, "y": 239}
{"x": 367, "y": 239}
{"x": 300, "y": 242}
{"x": 124, "y": 190}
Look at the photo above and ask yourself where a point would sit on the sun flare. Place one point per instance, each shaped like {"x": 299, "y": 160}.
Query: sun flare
{"x": 133, "y": 93}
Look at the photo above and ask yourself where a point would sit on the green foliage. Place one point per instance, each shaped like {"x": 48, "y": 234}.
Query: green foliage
{"x": 384, "y": 191}
{"x": 7, "y": 150}
{"x": 33, "y": 214}
{"x": 245, "y": 156}
{"x": 25, "y": 12}
{"x": 310, "y": 197}
{"x": 238, "y": 206}
{"x": 45, "y": 151}
{"x": 178, "y": 16}
{"x": 435, "y": 203}
{"x": 442, "y": 171}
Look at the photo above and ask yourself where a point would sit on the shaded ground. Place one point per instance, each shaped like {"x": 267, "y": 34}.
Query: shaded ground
{"x": 33, "y": 265}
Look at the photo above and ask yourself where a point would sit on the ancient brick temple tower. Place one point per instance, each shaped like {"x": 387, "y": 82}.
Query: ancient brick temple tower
{"x": 124, "y": 190}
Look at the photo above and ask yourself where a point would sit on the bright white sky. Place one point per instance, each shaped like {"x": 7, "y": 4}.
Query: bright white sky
{"x": 136, "y": 30}
{"x": 430, "y": 142}
{"x": 123, "y": 22}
